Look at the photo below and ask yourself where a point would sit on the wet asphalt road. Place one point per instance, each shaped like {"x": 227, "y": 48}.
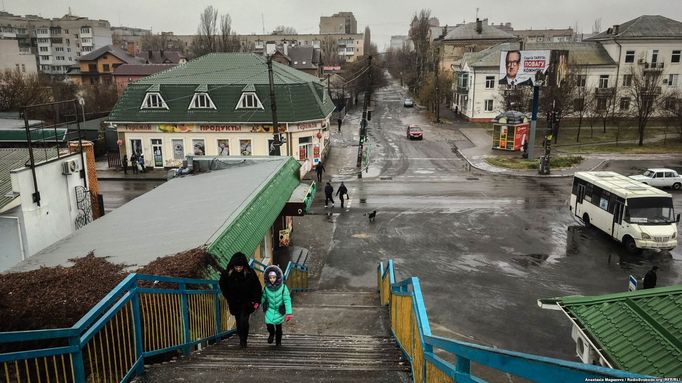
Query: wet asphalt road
{"x": 485, "y": 247}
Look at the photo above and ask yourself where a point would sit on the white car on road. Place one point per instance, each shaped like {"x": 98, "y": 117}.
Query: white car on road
{"x": 661, "y": 178}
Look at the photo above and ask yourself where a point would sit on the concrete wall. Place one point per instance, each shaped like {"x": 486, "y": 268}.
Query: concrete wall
{"x": 11, "y": 251}
{"x": 11, "y": 58}
{"x": 55, "y": 217}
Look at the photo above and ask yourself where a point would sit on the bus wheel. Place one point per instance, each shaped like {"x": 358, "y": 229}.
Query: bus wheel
{"x": 631, "y": 245}
{"x": 677, "y": 186}
{"x": 586, "y": 220}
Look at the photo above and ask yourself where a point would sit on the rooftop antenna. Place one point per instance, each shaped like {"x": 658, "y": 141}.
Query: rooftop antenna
{"x": 476, "y": 13}
{"x": 262, "y": 20}
{"x": 3, "y": 2}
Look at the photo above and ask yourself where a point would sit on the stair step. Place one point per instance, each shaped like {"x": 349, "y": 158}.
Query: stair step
{"x": 320, "y": 320}
{"x": 338, "y": 298}
{"x": 265, "y": 375}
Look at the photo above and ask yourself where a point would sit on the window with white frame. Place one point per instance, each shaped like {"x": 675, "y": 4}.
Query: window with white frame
{"x": 581, "y": 80}
{"x": 489, "y": 82}
{"x": 153, "y": 100}
{"x": 603, "y": 81}
{"x": 629, "y": 56}
{"x": 624, "y": 103}
{"x": 675, "y": 58}
{"x": 201, "y": 101}
{"x": 249, "y": 100}
{"x": 488, "y": 105}
{"x": 672, "y": 79}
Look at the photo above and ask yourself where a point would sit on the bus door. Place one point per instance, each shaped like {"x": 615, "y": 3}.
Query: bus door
{"x": 579, "y": 198}
{"x": 618, "y": 212}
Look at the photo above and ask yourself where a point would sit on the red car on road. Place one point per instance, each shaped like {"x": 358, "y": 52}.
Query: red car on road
{"x": 414, "y": 132}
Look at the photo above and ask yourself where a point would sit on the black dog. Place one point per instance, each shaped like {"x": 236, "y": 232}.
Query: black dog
{"x": 372, "y": 216}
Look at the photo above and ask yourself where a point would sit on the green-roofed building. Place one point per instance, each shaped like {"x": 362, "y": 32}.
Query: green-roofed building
{"x": 219, "y": 104}
{"x": 638, "y": 331}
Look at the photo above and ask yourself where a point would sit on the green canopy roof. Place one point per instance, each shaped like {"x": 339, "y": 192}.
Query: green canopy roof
{"x": 225, "y": 76}
{"x": 639, "y": 331}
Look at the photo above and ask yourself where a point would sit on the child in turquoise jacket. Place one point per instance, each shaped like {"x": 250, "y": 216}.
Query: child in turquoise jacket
{"x": 276, "y": 303}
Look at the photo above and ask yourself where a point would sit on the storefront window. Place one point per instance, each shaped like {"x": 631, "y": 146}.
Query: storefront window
{"x": 178, "y": 150}
{"x": 223, "y": 147}
{"x": 136, "y": 147}
{"x": 245, "y": 147}
{"x": 199, "y": 147}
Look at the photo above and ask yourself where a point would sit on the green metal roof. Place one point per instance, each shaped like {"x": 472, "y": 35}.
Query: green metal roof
{"x": 37, "y": 135}
{"x": 244, "y": 230}
{"x": 639, "y": 331}
{"x": 225, "y": 76}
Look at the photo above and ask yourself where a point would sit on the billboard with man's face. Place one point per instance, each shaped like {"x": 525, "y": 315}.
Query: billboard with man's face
{"x": 520, "y": 67}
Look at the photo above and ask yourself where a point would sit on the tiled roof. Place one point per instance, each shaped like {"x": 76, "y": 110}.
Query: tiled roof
{"x": 16, "y": 158}
{"x": 468, "y": 32}
{"x": 580, "y": 53}
{"x": 161, "y": 57}
{"x": 639, "y": 331}
{"x": 141, "y": 69}
{"x": 644, "y": 27}
{"x": 300, "y": 96}
{"x": 118, "y": 52}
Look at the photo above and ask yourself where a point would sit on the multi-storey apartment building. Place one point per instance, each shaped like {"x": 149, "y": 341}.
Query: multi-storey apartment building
{"x": 342, "y": 22}
{"x": 56, "y": 42}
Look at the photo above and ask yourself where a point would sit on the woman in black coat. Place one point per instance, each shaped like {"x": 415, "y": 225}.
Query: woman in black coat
{"x": 242, "y": 289}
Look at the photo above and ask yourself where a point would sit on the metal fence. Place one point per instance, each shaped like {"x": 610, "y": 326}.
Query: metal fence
{"x": 143, "y": 316}
{"x": 410, "y": 327}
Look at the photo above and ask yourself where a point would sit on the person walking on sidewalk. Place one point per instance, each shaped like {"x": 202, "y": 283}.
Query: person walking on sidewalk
{"x": 328, "y": 194}
{"x": 140, "y": 160}
{"x": 319, "y": 169}
{"x": 341, "y": 192}
{"x": 339, "y": 121}
{"x": 124, "y": 162}
{"x": 242, "y": 289}
{"x": 650, "y": 278}
{"x": 276, "y": 302}
{"x": 133, "y": 162}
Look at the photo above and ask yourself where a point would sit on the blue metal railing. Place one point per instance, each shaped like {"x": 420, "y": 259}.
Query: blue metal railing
{"x": 410, "y": 326}
{"x": 143, "y": 316}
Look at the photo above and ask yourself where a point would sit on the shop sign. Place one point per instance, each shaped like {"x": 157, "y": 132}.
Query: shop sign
{"x": 220, "y": 128}
{"x": 307, "y": 125}
{"x": 136, "y": 128}
{"x": 316, "y": 151}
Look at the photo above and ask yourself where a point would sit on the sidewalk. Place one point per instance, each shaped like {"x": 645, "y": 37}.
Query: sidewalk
{"x": 106, "y": 173}
{"x": 481, "y": 144}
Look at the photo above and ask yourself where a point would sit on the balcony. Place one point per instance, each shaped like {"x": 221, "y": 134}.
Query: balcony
{"x": 653, "y": 67}
{"x": 604, "y": 92}
{"x": 43, "y": 34}
{"x": 462, "y": 89}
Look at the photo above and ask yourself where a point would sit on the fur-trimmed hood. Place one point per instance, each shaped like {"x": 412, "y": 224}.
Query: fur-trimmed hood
{"x": 280, "y": 277}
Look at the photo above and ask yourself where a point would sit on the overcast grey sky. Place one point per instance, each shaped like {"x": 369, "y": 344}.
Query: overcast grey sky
{"x": 385, "y": 18}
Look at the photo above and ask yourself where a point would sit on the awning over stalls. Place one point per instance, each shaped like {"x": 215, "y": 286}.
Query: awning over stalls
{"x": 301, "y": 200}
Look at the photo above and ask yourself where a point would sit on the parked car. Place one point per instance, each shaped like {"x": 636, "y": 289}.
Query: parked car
{"x": 414, "y": 132}
{"x": 661, "y": 178}
{"x": 408, "y": 103}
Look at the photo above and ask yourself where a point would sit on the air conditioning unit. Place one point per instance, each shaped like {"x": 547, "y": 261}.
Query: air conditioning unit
{"x": 583, "y": 348}
{"x": 70, "y": 167}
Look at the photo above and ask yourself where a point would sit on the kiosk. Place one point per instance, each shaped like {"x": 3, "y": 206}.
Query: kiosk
{"x": 510, "y": 131}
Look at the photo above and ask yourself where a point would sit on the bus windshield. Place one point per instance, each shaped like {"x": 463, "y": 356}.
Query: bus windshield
{"x": 650, "y": 210}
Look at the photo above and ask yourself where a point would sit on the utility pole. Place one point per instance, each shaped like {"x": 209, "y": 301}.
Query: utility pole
{"x": 437, "y": 86}
{"x": 277, "y": 142}
{"x": 363, "y": 122}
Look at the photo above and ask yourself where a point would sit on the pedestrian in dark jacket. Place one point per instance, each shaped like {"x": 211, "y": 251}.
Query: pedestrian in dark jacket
{"x": 328, "y": 194}
{"x": 276, "y": 303}
{"x": 339, "y": 121}
{"x": 319, "y": 169}
{"x": 133, "y": 162}
{"x": 242, "y": 289}
{"x": 341, "y": 192}
{"x": 124, "y": 161}
{"x": 140, "y": 160}
{"x": 650, "y": 278}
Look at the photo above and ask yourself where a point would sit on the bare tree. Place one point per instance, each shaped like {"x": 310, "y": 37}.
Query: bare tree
{"x": 18, "y": 90}
{"x": 596, "y": 26}
{"x": 228, "y": 41}
{"x": 329, "y": 48}
{"x": 154, "y": 42}
{"x": 284, "y": 30}
{"x": 419, "y": 33}
{"x": 645, "y": 93}
{"x": 206, "y": 39}
{"x": 368, "y": 39}
{"x": 517, "y": 98}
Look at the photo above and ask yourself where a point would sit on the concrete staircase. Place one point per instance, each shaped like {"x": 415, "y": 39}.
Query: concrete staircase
{"x": 335, "y": 336}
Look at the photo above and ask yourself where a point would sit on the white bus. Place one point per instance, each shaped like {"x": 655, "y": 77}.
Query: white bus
{"x": 638, "y": 215}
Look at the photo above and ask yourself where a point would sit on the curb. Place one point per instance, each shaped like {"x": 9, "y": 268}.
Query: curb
{"x": 105, "y": 178}
{"x": 510, "y": 173}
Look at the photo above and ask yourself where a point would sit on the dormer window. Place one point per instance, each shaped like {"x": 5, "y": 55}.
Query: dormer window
{"x": 201, "y": 101}
{"x": 153, "y": 100}
{"x": 249, "y": 100}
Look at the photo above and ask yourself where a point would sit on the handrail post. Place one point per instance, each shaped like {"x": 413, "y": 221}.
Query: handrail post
{"x": 186, "y": 348}
{"x": 218, "y": 311}
{"x": 137, "y": 319}
{"x": 78, "y": 365}
{"x": 463, "y": 365}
